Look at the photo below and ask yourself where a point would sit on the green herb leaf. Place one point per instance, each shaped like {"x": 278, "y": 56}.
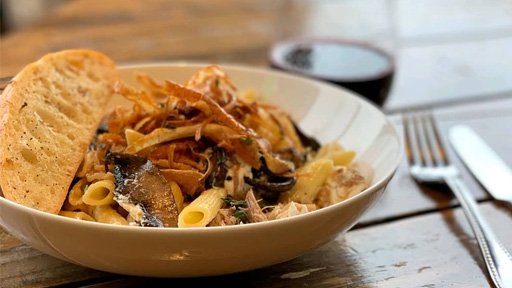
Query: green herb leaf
{"x": 241, "y": 215}
{"x": 229, "y": 201}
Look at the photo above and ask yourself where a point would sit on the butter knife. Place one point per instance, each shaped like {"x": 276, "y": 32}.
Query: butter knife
{"x": 490, "y": 170}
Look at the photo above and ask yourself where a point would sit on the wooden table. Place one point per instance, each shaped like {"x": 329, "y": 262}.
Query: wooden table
{"x": 414, "y": 237}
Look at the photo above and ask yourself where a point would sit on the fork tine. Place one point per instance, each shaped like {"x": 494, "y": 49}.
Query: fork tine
{"x": 422, "y": 139}
{"x": 435, "y": 140}
{"x": 414, "y": 156}
{"x": 407, "y": 140}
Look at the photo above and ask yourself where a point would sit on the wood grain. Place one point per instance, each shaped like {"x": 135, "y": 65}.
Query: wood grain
{"x": 435, "y": 250}
{"x": 130, "y": 31}
{"x": 23, "y": 266}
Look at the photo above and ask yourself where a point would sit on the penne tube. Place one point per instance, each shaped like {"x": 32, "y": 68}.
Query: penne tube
{"x": 77, "y": 215}
{"x": 203, "y": 209}
{"x": 76, "y": 193}
{"x": 343, "y": 158}
{"x": 335, "y": 152}
{"x": 87, "y": 209}
{"x": 86, "y": 165}
{"x": 99, "y": 193}
{"x": 178, "y": 195}
{"x": 310, "y": 179}
{"x": 107, "y": 214}
{"x": 328, "y": 149}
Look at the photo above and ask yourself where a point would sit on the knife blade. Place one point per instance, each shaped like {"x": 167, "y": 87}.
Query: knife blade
{"x": 490, "y": 170}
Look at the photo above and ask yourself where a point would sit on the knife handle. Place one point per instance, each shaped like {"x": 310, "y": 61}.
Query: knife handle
{"x": 497, "y": 259}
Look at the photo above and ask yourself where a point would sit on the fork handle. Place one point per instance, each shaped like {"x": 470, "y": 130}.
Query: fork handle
{"x": 497, "y": 259}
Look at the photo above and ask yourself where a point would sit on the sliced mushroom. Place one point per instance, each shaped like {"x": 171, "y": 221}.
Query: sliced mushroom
{"x": 269, "y": 185}
{"x": 306, "y": 140}
{"x": 140, "y": 183}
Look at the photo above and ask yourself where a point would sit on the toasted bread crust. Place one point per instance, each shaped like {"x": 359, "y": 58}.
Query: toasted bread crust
{"x": 48, "y": 116}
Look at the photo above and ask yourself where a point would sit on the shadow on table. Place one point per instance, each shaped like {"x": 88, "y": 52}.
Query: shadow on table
{"x": 445, "y": 201}
{"x": 466, "y": 237}
{"x": 505, "y": 207}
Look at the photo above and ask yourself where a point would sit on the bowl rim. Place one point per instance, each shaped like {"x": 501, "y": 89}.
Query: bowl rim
{"x": 381, "y": 183}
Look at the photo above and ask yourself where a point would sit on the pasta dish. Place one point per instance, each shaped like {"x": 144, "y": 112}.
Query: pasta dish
{"x": 203, "y": 154}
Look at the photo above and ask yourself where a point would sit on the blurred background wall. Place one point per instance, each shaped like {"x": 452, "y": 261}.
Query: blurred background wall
{"x": 17, "y": 14}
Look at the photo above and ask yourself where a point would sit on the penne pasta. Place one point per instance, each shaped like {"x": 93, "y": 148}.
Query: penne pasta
{"x": 77, "y": 208}
{"x": 178, "y": 195}
{"x": 77, "y": 215}
{"x": 107, "y": 214}
{"x": 203, "y": 209}
{"x": 86, "y": 165}
{"x": 328, "y": 149}
{"x": 76, "y": 193}
{"x": 99, "y": 193}
{"x": 98, "y": 176}
{"x": 343, "y": 158}
{"x": 335, "y": 152}
{"x": 310, "y": 179}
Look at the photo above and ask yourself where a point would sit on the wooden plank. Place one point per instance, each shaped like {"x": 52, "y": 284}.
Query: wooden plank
{"x": 22, "y": 266}
{"x": 215, "y": 31}
{"x": 435, "y": 250}
{"x": 154, "y": 30}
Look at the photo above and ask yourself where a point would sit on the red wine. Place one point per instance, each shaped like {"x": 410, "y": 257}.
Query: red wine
{"x": 358, "y": 67}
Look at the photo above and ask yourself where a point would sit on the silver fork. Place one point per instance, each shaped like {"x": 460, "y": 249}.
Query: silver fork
{"x": 428, "y": 163}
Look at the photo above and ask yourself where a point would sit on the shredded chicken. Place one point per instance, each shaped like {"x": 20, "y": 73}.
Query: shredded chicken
{"x": 253, "y": 208}
{"x": 290, "y": 209}
{"x": 341, "y": 184}
{"x": 224, "y": 217}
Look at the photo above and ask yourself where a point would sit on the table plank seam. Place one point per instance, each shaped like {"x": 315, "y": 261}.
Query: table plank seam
{"x": 412, "y": 215}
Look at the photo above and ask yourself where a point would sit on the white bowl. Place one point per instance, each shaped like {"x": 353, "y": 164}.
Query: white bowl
{"x": 322, "y": 110}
